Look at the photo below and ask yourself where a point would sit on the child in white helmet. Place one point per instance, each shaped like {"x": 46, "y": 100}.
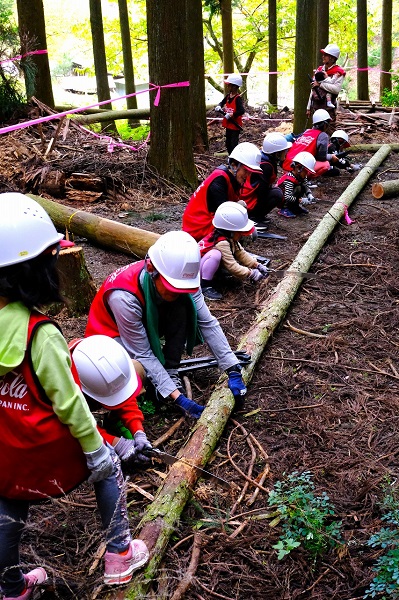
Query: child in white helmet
{"x": 49, "y": 442}
{"x": 222, "y": 248}
{"x": 109, "y": 380}
{"x": 233, "y": 108}
{"x": 339, "y": 143}
{"x": 295, "y": 187}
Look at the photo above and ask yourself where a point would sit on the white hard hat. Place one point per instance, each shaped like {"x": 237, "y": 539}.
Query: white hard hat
{"x": 234, "y": 79}
{"x": 341, "y": 134}
{"x": 332, "y": 50}
{"x": 305, "y": 159}
{"x": 105, "y": 370}
{"x": 26, "y": 230}
{"x": 248, "y": 155}
{"x": 232, "y": 217}
{"x": 320, "y": 115}
{"x": 275, "y": 142}
{"x": 176, "y": 257}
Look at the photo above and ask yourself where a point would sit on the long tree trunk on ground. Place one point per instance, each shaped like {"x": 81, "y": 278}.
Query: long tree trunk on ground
{"x": 171, "y": 152}
{"x": 197, "y": 76}
{"x": 362, "y": 54}
{"x": 32, "y": 31}
{"x": 273, "y": 96}
{"x": 162, "y": 516}
{"x": 128, "y": 70}
{"x": 305, "y": 27}
{"x": 386, "y": 46}
{"x": 322, "y": 29}
{"x": 100, "y": 61}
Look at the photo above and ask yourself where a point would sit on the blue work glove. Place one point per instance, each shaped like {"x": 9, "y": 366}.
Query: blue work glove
{"x": 125, "y": 449}
{"x": 99, "y": 463}
{"x": 236, "y": 384}
{"x": 142, "y": 444}
{"x": 189, "y": 407}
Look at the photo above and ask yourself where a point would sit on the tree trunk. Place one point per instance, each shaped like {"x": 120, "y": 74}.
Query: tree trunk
{"x": 103, "y": 232}
{"x": 197, "y": 76}
{"x": 128, "y": 69}
{"x": 100, "y": 61}
{"x": 161, "y": 517}
{"x": 305, "y": 27}
{"x": 273, "y": 96}
{"x": 322, "y": 29}
{"x": 171, "y": 152}
{"x": 385, "y": 188}
{"x": 227, "y": 36}
{"x": 386, "y": 46}
{"x": 32, "y": 31}
{"x": 362, "y": 54}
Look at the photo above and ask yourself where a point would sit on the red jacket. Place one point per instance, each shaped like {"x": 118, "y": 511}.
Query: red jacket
{"x": 197, "y": 220}
{"x": 230, "y": 107}
{"x": 207, "y": 244}
{"x": 307, "y": 142}
{"x": 38, "y": 455}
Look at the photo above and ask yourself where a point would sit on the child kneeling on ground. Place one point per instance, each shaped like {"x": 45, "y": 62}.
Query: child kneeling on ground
{"x": 222, "y": 248}
{"x": 295, "y": 187}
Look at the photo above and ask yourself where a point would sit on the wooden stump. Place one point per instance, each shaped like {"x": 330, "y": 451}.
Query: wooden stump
{"x": 385, "y": 188}
{"x": 76, "y": 282}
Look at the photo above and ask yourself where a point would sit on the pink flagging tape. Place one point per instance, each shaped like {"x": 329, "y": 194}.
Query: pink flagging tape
{"x": 21, "y": 56}
{"x": 169, "y": 85}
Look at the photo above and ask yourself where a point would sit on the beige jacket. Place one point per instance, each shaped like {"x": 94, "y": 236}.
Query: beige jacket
{"x": 235, "y": 259}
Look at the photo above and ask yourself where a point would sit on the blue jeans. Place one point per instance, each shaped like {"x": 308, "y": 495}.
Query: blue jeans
{"x": 111, "y": 502}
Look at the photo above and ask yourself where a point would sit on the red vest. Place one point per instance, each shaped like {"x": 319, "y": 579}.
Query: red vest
{"x": 231, "y": 107}
{"x": 206, "y": 244}
{"x": 38, "y": 455}
{"x": 307, "y": 142}
{"x": 197, "y": 220}
{"x": 287, "y": 177}
{"x": 249, "y": 193}
{"x": 100, "y": 320}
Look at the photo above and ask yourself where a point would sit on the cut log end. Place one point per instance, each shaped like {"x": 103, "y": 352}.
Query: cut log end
{"x": 377, "y": 190}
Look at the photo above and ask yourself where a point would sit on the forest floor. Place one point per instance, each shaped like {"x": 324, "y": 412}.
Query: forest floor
{"x": 324, "y": 397}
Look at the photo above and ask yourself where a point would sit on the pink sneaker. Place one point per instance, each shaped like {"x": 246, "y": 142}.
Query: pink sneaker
{"x": 32, "y": 579}
{"x": 119, "y": 568}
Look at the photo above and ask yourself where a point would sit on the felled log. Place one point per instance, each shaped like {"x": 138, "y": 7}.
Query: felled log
{"x": 161, "y": 517}
{"x": 53, "y": 183}
{"x": 385, "y": 188}
{"x": 103, "y": 232}
{"x": 132, "y": 113}
{"x": 76, "y": 283}
{"x": 86, "y": 181}
{"x": 372, "y": 147}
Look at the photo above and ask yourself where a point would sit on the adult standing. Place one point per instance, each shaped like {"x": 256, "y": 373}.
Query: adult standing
{"x": 326, "y": 90}
{"x": 220, "y": 186}
{"x": 159, "y": 297}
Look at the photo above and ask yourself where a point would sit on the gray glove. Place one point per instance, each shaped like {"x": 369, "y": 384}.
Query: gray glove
{"x": 255, "y": 275}
{"x": 228, "y": 115}
{"x": 125, "y": 449}
{"x": 99, "y": 463}
{"x": 218, "y": 109}
{"x": 310, "y": 199}
{"x": 264, "y": 270}
{"x": 142, "y": 444}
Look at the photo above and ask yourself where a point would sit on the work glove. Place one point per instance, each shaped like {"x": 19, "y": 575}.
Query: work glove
{"x": 142, "y": 444}
{"x": 264, "y": 270}
{"x": 125, "y": 449}
{"x": 255, "y": 275}
{"x": 219, "y": 109}
{"x": 228, "y": 115}
{"x": 343, "y": 163}
{"x": 99, "y": 463}
{"x": 236, "y": 384}
{"x": 355, "y": 167}
{"x": 309, "y": 199}
{"x": 189, "y": 407}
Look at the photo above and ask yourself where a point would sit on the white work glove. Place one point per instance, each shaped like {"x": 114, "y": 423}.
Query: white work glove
{"x": 125, "y": 449}
{"x": 218, "y": 108}
{"x": 264, "y": 270}
{"x": 99, "y": 463}
{"x": 228, "y": 115}
{"x": 310, "y": 199}
{"x": 255, "y": 275}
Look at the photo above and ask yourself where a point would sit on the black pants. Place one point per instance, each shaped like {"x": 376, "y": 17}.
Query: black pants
{"x": 232, "y": 136}
{"x": 265, "y": 203}
{"x": 172, "y": 323}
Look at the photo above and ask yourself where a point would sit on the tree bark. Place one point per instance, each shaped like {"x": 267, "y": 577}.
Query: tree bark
{"x": 322, "y": 29}
{"x": 305, "y": 27}
{"x": 128, "y": 69}
{"x": 161, "y": 516}
{"x": 103, "y": 232}
{"x": 32, "y": 31}
{"x": 197, "y": 76}
{"x": 386, "y": 46}
{"x": 383, "y": 189}
{"x": 273, "y": 95}
{"x": 227, "y": 36}
{"x": 362, "y": 54}
{"x": 171, "y": 152}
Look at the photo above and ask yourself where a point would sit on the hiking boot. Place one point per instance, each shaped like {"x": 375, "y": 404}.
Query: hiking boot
{"x": 286, "y": 212}
{"x": 262, "y": 224}
{"x": 32, "y": 579}
{"x": 211, "y": 294}
{"x": 332, "y": 172}
{"x": 119, "y": 568}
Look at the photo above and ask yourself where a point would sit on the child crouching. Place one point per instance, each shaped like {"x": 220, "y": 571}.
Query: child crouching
{"x": 294, "y": 186}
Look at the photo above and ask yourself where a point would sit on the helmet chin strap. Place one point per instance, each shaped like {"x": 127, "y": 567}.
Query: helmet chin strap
{"x": 154, "y": 273}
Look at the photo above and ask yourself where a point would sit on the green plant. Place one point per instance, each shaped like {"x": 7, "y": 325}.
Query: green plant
{"x": 391, "y": 97}
{"x": 386, "y": 581}
{"x": 305, "y": 517}
{"x": 138, "y": 134}
{"x": 146, "y": 405}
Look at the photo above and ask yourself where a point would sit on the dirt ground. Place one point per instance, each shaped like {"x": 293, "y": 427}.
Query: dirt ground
{"x": 323, "y": 399}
